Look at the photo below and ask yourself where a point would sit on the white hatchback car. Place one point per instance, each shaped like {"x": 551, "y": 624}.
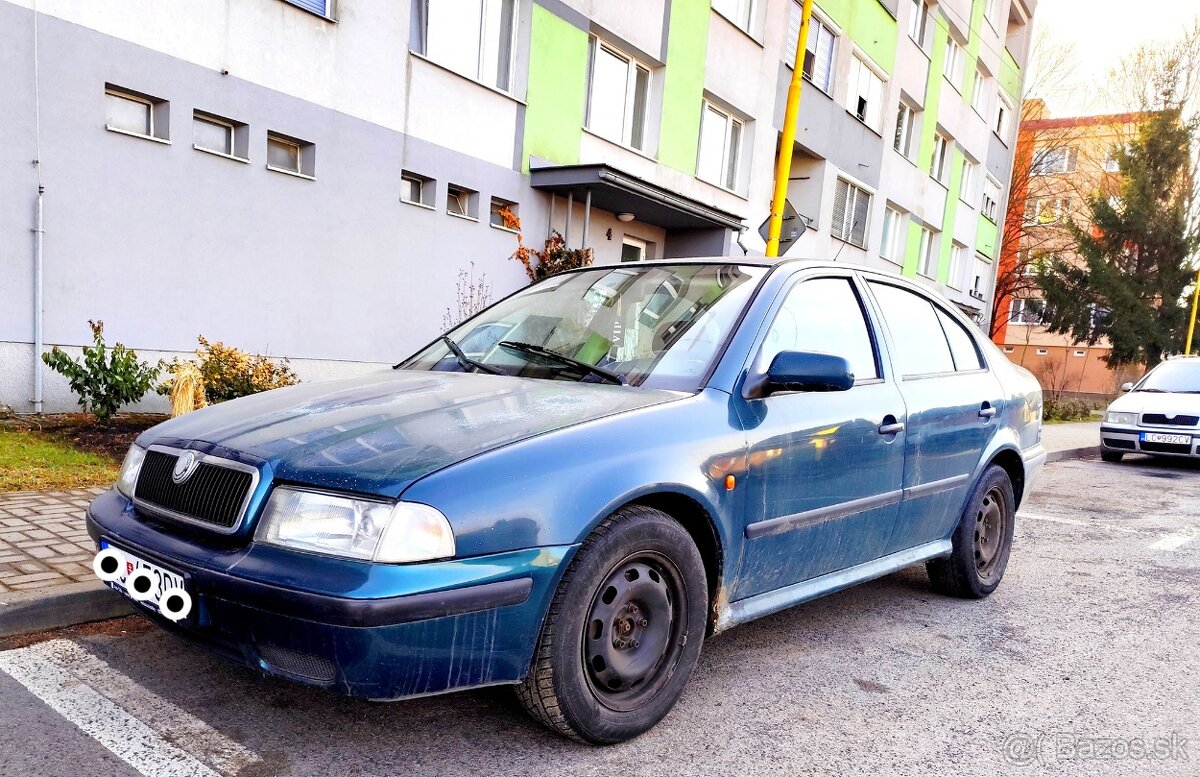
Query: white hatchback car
{"x": 1160, "y": 414}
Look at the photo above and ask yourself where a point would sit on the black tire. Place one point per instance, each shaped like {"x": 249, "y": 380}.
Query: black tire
{"x": 982, "y": 540}
{"x": 1113, "y": 457}
{"x": 636, "y": 588}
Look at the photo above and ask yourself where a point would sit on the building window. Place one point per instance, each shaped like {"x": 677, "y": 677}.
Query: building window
{"x": 133, "y": 113}
{"x": 940, "y": 167}
{"x": 632, "y": 249}
{"x": 720, "y": 146}
{"x": 1026, "y": 311}
{"x": 1081, "y": 353}
{"x": 851, "y": 208}
{"x": 991, "y": 198}
{"x": 620, "y": 93}
{"x": 866, "y": 94}
{"x": 290, "y": 155}
{"x": 952, "y": 64}
{"x": 740, "y": 12}
{"x": 1003, "y": 116}
{"x": 966, "y": 184}
{"x": 818, "y": 51}
{"x": 462, "y": 202}
{"x": 1047, "y": 210}
{"x": 1042, "y": 352}
{"x": 925, "y": 253}
{"x": 471, "y": 37}
{"x": 979, "y": 93}
{"x": 1054, "y": 161}
{"x": 319, "y": 7}
{"x": 416, "y": 189}
{"x": 906, "y": 119}
{"x": 956, "y": 255}
{"x": 221, "y": 136}
{"x": 918, "y": 21}
{"x": 1009, "y": 349}
{"x": 499, "y": 209}
{"x": 891, "y": 245}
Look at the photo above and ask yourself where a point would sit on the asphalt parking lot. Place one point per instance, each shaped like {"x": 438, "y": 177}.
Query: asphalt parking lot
{"x": 1083, "y": 662}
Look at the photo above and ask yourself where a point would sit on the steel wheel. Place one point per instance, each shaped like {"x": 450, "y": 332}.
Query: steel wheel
{"x": 631, "y": 635}
{"x": 991, "y": 524}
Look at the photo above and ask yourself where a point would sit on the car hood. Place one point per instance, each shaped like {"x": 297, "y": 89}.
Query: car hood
{"x": 379, "y": 432}
{"x": 1150, "y": 402}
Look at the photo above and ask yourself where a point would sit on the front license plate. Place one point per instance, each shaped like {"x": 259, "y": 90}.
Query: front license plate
{"x": 163, "y": 578}
{"x": 1168, "y": 439}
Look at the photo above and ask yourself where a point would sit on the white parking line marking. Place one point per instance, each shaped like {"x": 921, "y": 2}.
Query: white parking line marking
{"x": 1077, "y": 522}
{"x": 169, "y": 741}
{"x": 1172, "y": 542}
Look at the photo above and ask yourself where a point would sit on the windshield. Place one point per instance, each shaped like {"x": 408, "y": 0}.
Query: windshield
{"x": 1174, "y": 376}
{"x": 658, "y": 326}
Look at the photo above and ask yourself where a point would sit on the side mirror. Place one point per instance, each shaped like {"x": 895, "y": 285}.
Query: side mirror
{"x": 807, "y": 371}
{"x": 1126, "y": 387}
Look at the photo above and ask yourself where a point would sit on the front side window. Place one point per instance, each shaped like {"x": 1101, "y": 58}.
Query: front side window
{"x": 619, "y": 96}
{"x": 851, "y": 209}
{"x": 919, "y": 342}
{"x": 471, "y": 37}
{"x": 866, "y": 94}
{"x": 720, "y": 144}
{"x": 823, "y": 315}
{"x": 658, "y": 326}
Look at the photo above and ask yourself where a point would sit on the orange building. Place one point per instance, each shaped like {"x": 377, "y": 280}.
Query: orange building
{"x": 1057, "y": 166}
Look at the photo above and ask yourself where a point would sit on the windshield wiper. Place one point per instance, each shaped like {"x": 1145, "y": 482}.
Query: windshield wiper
{"x": 467, "y": 362}
{"x": 1153, "y": 390}
{"x": 539, "y": 350}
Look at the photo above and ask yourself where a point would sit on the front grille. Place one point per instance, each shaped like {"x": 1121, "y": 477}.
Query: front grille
{"x": 214, "y": 494}
{"x": 1164, "y": 447}
{"x": 294, "y": 662}
{"x": 1116, "y": 442}
{"x": 1158, "y": 419}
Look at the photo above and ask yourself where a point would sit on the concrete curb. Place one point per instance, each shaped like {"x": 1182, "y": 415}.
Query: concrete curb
{"x": 65, "y": 605}
{"x": 1072, "y": 453}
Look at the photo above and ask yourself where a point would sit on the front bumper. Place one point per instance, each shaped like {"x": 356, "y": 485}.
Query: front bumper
{"x": 1128, "y": 439}
{"x": 368, "y": 630}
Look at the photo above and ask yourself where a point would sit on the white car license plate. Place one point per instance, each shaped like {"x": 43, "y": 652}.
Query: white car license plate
{"x": 163, "y": 579}
{"x": 1168, "y": 439}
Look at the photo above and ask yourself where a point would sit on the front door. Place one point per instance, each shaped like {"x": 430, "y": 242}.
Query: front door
{"x": 823, "y": 473}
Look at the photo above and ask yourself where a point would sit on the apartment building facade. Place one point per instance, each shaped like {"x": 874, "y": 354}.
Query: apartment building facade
{"x": 1060, "y": 164}
{"x": 307, "y": 178}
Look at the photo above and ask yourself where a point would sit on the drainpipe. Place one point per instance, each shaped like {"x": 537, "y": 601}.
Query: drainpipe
{"x": 38, "y": 345}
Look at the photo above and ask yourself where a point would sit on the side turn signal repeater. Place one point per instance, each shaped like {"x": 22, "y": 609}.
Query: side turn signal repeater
{"x": 730, "y": 482}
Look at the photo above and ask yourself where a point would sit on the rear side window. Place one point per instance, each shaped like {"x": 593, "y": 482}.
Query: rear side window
{"x": 920, "y": 343}
{"x": 962, "y": 346}
{"x": 823, "y": 315}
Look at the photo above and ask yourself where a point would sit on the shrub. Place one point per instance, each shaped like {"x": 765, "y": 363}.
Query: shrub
{"x": 473, "y": 296}
{"x": 554, "y": 258}
{"x": 1065, "y": 409}
{"x": 227, "y": 373}
{"x": 106, "y": 379}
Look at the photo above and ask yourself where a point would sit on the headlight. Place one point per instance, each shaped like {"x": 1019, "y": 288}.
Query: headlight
{"x": 130, "y": 469}
{"x": 389, "y": 532}
{"x": 1122, "y": 419}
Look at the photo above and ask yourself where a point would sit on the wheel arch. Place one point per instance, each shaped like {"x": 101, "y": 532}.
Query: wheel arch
{"x": 1011, "y": 462}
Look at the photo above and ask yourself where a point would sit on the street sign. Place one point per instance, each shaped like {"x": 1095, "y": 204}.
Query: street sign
{"x": 793, "y": 228}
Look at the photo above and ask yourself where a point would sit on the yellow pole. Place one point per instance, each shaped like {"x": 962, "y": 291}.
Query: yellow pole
{"x": 1192, "y": 324}
{"x": 783, "y": 165}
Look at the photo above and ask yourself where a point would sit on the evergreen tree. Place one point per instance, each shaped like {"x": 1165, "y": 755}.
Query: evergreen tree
{"x": 1136, "y": 252}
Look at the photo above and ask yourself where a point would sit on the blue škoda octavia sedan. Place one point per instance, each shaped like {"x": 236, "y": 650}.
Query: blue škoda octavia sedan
{"x": 568, "y": 492}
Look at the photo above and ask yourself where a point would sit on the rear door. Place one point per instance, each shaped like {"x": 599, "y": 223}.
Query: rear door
{"x": 822, "y": 479}
{"x": 953, "y": 403}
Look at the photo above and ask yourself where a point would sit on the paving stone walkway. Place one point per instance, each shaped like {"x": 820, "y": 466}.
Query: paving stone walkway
{"x": 43, "y": 542}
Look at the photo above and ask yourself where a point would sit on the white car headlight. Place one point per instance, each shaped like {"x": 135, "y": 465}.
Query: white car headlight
{"x": 130, "y": 469}
{"x": 1122, "y": 419}
{"x": 388, "y": 532}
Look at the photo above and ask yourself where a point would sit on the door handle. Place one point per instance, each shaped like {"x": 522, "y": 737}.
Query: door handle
{"x": 987, "y": 411}
{"x": 890, "y": 425}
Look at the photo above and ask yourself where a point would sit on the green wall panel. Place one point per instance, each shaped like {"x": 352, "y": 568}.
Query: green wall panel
{"x": 683, "y": 84}
{"x": 868, "y": 24}
{"x": 557, "y": 92}
{"x": 1010, "y": 77}
{"x": 986, "y": 236}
